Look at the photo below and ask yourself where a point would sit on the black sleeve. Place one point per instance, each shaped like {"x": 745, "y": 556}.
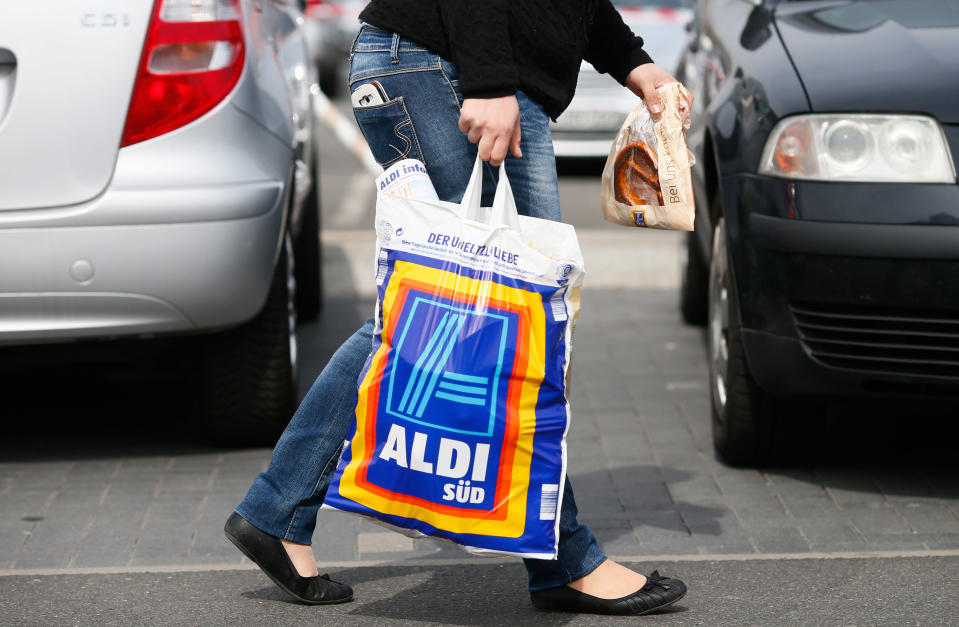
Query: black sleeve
{"x": 613, "y": 48}
{"x": 478, "y": 35}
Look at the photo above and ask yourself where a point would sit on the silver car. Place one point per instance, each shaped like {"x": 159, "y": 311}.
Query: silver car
{"x": 157, "y": 177}
{"x": 588, "y": 126}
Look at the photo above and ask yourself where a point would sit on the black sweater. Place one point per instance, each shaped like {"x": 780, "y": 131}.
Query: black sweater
{"x": 503, "y": 45}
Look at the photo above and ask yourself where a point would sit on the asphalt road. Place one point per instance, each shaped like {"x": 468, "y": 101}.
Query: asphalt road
{"x": 754, "y": 592}
{"x": 111, "y": 507}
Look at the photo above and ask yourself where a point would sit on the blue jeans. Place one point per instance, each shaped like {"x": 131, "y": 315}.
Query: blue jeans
{"x": 419, "y": 121}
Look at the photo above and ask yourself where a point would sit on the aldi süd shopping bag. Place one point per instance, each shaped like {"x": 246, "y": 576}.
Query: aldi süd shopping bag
{"x": 646, "y": 181}
{"x": 462, "y": 414}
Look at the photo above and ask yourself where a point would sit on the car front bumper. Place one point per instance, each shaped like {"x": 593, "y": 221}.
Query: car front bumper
{"x": 139, "y": 262}
{"x": 842, "y": 308}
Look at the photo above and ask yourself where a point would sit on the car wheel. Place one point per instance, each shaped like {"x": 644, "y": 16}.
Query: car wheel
{"x": 740, "y": 417}
{"x": 307, "y": 253}
{"x": 694, "y": 289}
{"x": 248, "y": 374}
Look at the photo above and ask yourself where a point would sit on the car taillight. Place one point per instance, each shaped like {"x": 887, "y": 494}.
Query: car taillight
{"x": 192, "y": 58}
{"x": 312, "y": 7}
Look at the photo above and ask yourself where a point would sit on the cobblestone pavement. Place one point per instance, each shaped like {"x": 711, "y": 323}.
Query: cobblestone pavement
{"x": 84, "y": 485}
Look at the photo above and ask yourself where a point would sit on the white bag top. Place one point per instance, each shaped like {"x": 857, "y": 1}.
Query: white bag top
{"x": 497, "y": 237}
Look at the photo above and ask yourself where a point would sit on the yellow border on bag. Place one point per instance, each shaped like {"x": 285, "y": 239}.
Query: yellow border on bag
{"x": 515, "y": 521}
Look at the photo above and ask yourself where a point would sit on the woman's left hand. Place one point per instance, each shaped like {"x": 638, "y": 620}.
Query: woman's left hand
{"x": 645, "y": 79}
{"x": 494, "y": 124}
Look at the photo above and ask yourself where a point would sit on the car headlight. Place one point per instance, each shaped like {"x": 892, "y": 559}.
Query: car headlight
{"x": 859, "y": 147}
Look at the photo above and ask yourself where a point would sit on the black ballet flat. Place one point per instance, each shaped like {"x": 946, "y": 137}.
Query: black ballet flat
{"x": 658, "y": 593}
{"x": 268, "y": 553}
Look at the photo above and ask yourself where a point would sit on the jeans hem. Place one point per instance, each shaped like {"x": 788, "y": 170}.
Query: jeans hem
{"x": 251, "y": 519}
{"x": 586, "y": 568}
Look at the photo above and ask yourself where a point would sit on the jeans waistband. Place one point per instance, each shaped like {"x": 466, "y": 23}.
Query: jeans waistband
{"x": 373, "y": 39}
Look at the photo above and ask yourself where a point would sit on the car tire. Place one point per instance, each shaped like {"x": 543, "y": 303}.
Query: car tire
{"x": 741, "y": 412}
{"x": 694, "y": 288}
{"x": 248, "y": 374}
{"x": 307, "y": 254}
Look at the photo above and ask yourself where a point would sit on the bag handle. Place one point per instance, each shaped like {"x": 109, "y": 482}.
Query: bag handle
{"x": 504, "y": 206}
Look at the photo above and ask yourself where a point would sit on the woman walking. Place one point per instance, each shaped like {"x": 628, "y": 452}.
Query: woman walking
{"x": 456, "y": 77}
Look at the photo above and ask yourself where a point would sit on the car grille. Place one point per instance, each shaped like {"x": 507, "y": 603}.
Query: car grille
{"x": 886, "y": 341}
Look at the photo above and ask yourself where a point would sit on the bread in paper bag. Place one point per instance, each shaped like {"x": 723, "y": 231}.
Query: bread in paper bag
{"x": 646, "y": 180}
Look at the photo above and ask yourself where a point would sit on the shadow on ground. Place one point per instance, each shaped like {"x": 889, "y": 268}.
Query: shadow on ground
{"x": 86, "y": 400}
{"x": 480, "y": 593}
{"x": 879, "y": 435}
{"x": 495, "y": 595}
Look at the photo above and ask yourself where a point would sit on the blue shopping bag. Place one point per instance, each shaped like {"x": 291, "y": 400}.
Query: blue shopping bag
{"x": 461, "y": 416}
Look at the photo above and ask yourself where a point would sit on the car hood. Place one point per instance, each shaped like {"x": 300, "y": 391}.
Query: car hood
{"x": 876, "y": 55}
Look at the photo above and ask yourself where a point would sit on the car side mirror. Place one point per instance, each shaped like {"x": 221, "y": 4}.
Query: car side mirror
{"x": 758, "y": 28}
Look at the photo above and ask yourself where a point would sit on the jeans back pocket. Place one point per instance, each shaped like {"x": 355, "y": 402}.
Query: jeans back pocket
{"x": 388, "y": 131}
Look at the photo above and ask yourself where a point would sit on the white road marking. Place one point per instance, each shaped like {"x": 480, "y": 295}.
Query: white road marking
{"x": 717, "y": 557}
{"x": 383, "y": 542}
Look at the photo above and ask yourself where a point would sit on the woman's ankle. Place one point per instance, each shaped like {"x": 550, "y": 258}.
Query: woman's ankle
{"x": 609, "y": 580}
{"x": 301, "y": 555}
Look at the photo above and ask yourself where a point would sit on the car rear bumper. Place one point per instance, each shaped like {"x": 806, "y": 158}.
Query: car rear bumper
{"x": 845, "y": 309}
{"x": 582, "y": 145}
{"x": 139, "y": 261}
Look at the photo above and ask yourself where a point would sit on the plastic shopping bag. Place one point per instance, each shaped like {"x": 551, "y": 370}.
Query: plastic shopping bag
{"x": 646, "y": 180}
{"x": 462, "y": 414}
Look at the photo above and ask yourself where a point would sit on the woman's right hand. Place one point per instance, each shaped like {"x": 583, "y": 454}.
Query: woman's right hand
{"x": 645, "y": 79}
{"x": 494, "y": 124}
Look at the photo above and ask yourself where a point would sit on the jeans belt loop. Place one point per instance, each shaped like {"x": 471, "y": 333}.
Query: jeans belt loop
{"x": 363, "y": 26}
{"x": 395, "y": 49}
